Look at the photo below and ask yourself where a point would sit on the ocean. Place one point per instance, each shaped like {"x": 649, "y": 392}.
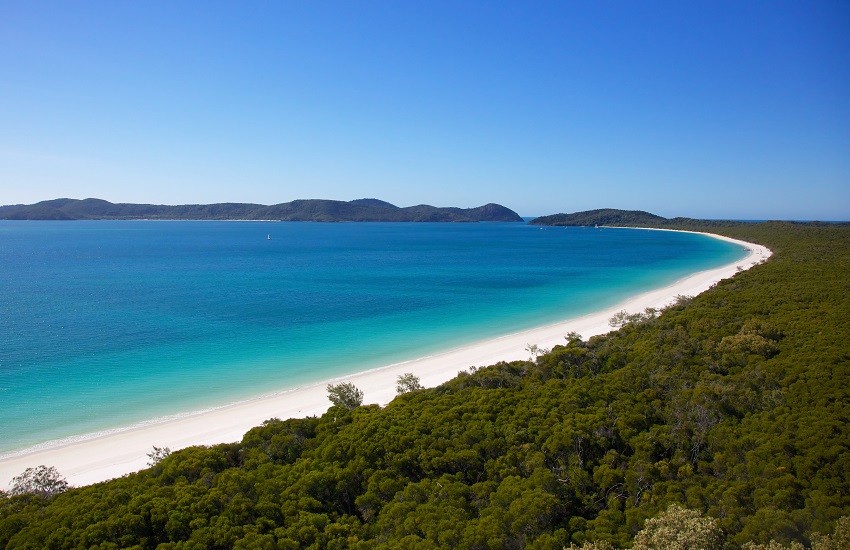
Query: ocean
{"x": 106, "y": 324}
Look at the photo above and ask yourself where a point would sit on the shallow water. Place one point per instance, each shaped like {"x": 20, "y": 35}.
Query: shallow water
{"x": 104, "y": 324}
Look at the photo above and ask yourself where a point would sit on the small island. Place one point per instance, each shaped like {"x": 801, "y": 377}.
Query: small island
{"x": 305, "y": 210}
{"x": 602, "y": 216}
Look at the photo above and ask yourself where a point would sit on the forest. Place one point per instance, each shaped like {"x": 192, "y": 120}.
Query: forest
{"x": 725, "y": 418}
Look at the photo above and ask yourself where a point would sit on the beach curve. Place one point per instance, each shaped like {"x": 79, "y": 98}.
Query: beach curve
{"x": 99, "y": 457}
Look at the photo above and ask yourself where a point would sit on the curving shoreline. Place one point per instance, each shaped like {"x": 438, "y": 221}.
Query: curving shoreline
{"x": 91, "y": 459}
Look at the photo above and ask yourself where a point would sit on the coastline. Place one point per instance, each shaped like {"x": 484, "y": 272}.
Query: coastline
{"x": 112, "y": 454}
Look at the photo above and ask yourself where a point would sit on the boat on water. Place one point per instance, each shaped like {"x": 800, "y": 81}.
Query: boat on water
{"x": 268, "y": 237}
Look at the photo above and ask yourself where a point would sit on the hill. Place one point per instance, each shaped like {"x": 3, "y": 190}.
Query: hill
{"x": 605, "y": 216}
{"x": 613, "y": 217}
{"x": 317, "y": 210}
{"x": 734, "y": 403}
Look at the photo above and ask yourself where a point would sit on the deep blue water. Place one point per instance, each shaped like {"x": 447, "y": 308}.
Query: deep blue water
{"x": 105, "y": 324}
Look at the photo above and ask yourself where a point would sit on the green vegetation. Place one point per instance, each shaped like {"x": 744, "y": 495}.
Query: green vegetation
{"x": 604, "y": 216}
{"x": 315, "y": 210}
{"x": 633, "y": 218}
{"x": 407, "y": 382}
{"x": 41, "y": 481}
{"x": 157, "y": 455}
{"x": 679, "y": 529}
{"x": 345, "y": 395}
{"x": 733, "y": 405}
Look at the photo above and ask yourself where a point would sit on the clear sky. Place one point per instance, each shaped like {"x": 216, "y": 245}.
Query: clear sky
{"x": 716, "y": 109}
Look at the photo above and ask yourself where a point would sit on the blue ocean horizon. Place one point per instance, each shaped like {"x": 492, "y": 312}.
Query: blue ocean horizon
{"x": 106, "y": 324}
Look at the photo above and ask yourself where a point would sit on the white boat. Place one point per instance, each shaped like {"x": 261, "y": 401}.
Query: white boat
{"x": 268, "y": 237}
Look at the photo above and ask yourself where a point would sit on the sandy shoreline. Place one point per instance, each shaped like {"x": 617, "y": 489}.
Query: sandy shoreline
{"x": 123, "y": 451}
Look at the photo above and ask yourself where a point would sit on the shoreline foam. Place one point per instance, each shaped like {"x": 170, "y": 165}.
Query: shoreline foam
{"x": 92, "y": 458}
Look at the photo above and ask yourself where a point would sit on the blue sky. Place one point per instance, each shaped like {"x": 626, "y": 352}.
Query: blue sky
{"x": 706, "y": 109}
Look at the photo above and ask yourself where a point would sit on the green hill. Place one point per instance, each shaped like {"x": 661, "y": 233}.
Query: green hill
{"x": 734, "y": 403}
{"x": 604, "y": 216}
{"x": 318, "y": 210}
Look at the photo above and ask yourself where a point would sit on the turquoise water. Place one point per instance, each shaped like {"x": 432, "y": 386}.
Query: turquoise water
{"x": 105, "y": 324}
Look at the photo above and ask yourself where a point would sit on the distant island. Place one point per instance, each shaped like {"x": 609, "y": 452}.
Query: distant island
{"x": 604, "y": 216}
{"x": 613, "y": 217}
{"x": 314, "y": 210}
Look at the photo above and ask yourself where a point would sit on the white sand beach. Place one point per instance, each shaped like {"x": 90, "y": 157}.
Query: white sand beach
{"x": 98, "y": 458}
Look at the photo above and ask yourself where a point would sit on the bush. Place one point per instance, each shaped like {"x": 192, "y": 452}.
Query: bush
{"x": 41, "y": 481}
{"x": 345, "y": 395}
{"x": 679, "y": 529}
{"x": 407, "y": 382}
